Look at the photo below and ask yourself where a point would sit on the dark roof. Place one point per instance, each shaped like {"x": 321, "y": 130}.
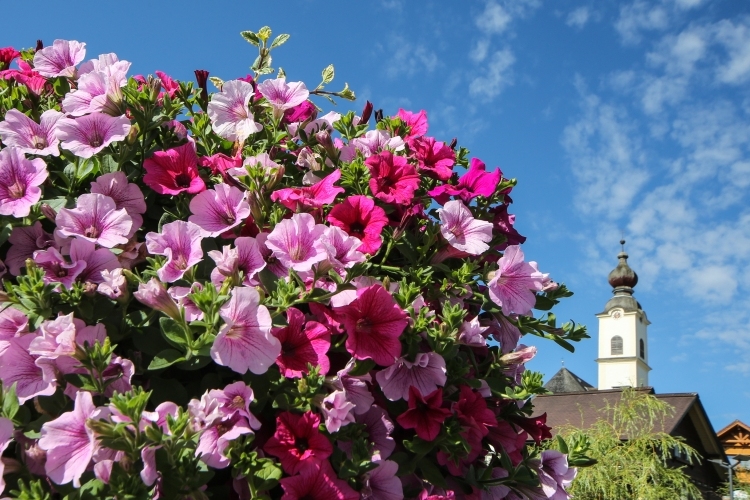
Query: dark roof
{"x": 566, "y": 381}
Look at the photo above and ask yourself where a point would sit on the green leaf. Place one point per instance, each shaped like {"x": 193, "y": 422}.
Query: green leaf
{"x": 10, "y": 402}
{"x": 544, "y": 303}
{"x": 165, "y": 358}
{"x": 431, "y": 473}
{"x": 218, "y": 82}
{"x": 264, "y": 33}
{"x": 279, "y": 40}
{"x": 328, "y": 74}
{"x": 5, "y": 232}
{"x": 172, "y": 331}
{"x": 269, "y": 475}
{"x": 251, "y": 37}
{"x": 362, "y": 367}
{"x": 108, "y": 165}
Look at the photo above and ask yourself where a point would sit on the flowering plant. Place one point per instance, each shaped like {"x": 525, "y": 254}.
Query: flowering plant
{"x": 233, "y": 294}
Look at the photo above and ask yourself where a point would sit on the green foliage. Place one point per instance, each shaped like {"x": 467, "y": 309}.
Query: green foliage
{"x": 636, "y": 467}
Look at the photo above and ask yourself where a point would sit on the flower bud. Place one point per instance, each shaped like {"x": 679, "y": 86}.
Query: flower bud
{"x": 324, "y": 139}
{"x": 39, "y": 46}
{"x": 379, "y": 115}
{"x": 48, "y": 212}
{"x": 154, "y": 295}
{"x": 366, "y": 113}
{"x": 201, "y": 76}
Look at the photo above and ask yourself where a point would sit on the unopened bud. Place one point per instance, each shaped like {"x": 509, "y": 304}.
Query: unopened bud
{"x": 39, "y": 45}
{"x": 366, "y": 113}
{"x": 201, "y": 76}
{"x": 324, "y": 139}
{"x": 379, "y": 115}
{"x": 48, "y": 212}
{"x": 453, "y": 143}
{"x": 132, "y": 136}
{"x": 89, "y": 289}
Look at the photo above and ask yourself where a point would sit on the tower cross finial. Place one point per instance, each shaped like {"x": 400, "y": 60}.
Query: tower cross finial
{"x": 622, "y": 241}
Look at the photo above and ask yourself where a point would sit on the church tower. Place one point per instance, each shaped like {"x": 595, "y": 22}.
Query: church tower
{"x": 623, "y": 339}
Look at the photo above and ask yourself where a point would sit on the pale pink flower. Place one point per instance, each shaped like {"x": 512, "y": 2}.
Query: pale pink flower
{"x": 321, "y": 193}
{"x": 6, "y": 436}
{"x": 297, "y": 242}
{"x": 180, "y": 242}
{"x": 372, "y": 143}
{"x": 235, "y": 398}
{"x": 57, "y": 269}
{"x": 462, "y": 231}
{"x": 515, "y": 282}
{"x": 154, "y": 295}
{"x": 18, "y": 366}
{"x": 69, "y": 442}
{"x": 96, "y": 260}
{"x": 58, "y": 337}
{"x": 342, "y": 248}
{"x": 245, "y": 341}
{"x": 379, "y": 429}
{"x": 505, "y": 332}
{"x": 86, "y": 135}
{"x": 245, "y": 257}
{"x": 113, "y": 284}
{"x": 554, "y": 474}
{"x": 125, "y": 194}
{"x": 382, "y": 483}
{"x": 355, "y": 388}
{"x": 229, "y": 114}
{"x": 181, "y": 295}
{"x": 219, "y": 209}
{"x": 59, "y": 59}
{"x": 472, "y": 333}
{"x": 337, "y": 411}
{"x": 19, "y": 182}
{"x": 96, "y": 219}
{"x": 282, "y": 95}
{"x": 215, "y": 439}
{"x": 13, "y": 323}
{"x": 426, "y": 374}
{"x": 99, "y": 87}
{"x": 25, "y": 240}
{"x": 32, "y": 138}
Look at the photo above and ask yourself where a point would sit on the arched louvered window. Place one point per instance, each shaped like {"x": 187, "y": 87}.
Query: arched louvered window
{"x": 616, "y": 345}
{"x": 643, "y": 349}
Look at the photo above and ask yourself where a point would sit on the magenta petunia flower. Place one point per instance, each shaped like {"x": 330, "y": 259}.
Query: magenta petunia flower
{"x": 417, "y": 123}
{"x": 435, "y": 158}
{"x": 426, "y": 373}
{"x": 25, "y": 240}
{"x": 86, "y": 135}
{"x": 180, "y": 242}
{"x": 514, "y": 284}
{"x": 318, "y": 482}
{"x": 96, "y": 261}
{"x": 245, "y": 341}
{"x": 32, "y": 138}
{"x": 245, "y": 257}
{"x": 360, "y": 217}
{"x": 374, "y": 323}
{"x": 125, "y": 194}
{"x": 7, "y": 55}
{"x": 19, "y": 182}
{"x": 392, "y": 179}
{"x": 425, "y": 414}
{"x": 475, "y": 182}
{"x": 297, "y": 242}
{"x": 302, "y": 343}
{"x": 462, "y": 231}
{"x": 96, "y": 219}
{"x": 57, "y": 269}
{"x": 297, "y": 442}
{"x": 60, "y": 58}
{"x": 319, "y": 194}
{"x": 219, "y": 209}
{"x": 229, "y": 114}
{"x": 69, "y": 442}
{"x": 174, "y": 171}
{"x": 18, "y": 366}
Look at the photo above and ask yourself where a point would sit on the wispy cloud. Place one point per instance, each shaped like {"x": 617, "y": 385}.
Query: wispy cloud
{"x": 578, "y": 17}
{"x": 638, "y": 17}
{"x": 496, "y": 76}
{"x": 407, "y": 58}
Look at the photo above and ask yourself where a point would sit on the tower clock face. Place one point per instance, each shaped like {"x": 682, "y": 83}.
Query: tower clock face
{"x": 617, "y": 314}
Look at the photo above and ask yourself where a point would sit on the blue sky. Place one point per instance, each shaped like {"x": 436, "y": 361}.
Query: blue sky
{"x": 615, "y": 116}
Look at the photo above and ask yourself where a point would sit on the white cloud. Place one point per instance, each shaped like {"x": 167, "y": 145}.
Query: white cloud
{"x": 497, "y": 76}
{"x": 640, "y": 16}
{"x": 736, "y": 40}
{"x": 688, "y": 4}
{"x": 479, "y": 51}
{"x": 494, "y": 20}
{"x": 408, "y": 59}
{"x": 578, "y": 17}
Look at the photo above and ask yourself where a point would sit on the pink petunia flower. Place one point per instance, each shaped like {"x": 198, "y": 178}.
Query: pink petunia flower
{"x": 379, "y": 428}
{"x": 181, "y": 295}
{"x": 382, "y": 483}
{"x": 216, "y": 438}
{"x": 96, "y": 261}
{"x": 417, "y": 123}
{"x": 358, "y": 216}
{"x": 435, "y": 158}
{"x": 302, "y": 343}
{"x": 7, "y": 55}
{"x": 219, "y": 209}
{"x": 319, "y": 194}
{"x": 281, "y": 95}
{"x": 96, "y": 219}
{"x": 462, "y": 231}
{"x": 180, "y": 242}
{"x": 125, "y": 194}
{"x": 32, "y": 138}
{"x": 174, "y": 171}
{"x": 392, "y": 179}
{"x": 343, "y": 250}
{"x": 425, "y": 414}
{"x": 504, "y": 332}
{"x": 475, "y": 182}
{"x": 426, "y": 374}
{"x": 555, "y": 474}
{"x": 87, "y": 135}
{"x": 57, "y": 269}
{"x": 374, "y": 323}
{"x": 235, "y": 398}
{"x": 297, "y": 242}
{"x": 245, "y": 341}
{"x": 472, "y": 411}
{"x": 514, "y": 284}
{"x": 229, "y": 114}
{"x": 113, "y": 285}
{"x": 6, "y": 436}
{"x": 153, "y": 294}
{"x": 25, "y": 240}
{"x": 60, "y": 58}
{"x": 245, "y": 257}
{"x": 337, "y": 411}
{"x": 297, "y": 442}
{"x": 99, "y": 87}
{"x": 19, "y": 182}
{"x": 69, "y": 442}
{"x": 18, "y": 366}
{"x": 471, "y": 333}
{"x": 317, "y": 483}
{"x": 13, "y": 323}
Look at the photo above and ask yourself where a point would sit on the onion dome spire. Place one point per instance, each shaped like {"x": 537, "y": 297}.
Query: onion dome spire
{"x": 623, "y": 278}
